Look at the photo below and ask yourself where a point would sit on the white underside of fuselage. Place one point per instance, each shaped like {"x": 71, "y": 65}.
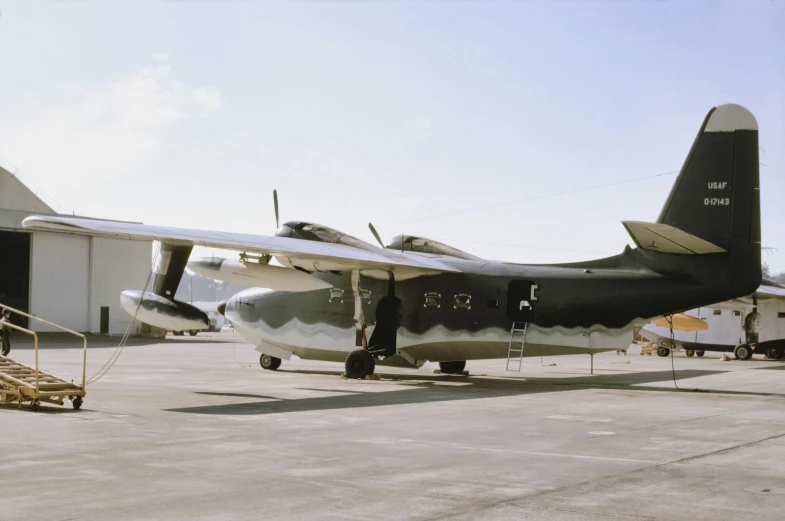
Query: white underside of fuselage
{"x": 329, "y": 343}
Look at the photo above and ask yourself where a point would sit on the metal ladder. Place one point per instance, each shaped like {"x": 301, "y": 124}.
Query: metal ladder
{"x": 515, "y": 354}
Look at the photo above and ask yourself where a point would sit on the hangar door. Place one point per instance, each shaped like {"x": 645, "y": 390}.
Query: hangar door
{"x": 61, "y": 275}
{"x": 15, "y": 272}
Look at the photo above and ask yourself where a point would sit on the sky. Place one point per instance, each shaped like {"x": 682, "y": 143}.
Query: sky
{"x": 190, "y": 114}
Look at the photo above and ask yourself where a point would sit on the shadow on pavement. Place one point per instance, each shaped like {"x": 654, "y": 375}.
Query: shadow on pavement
{"x": 65, "y": 341}
{"x": 426, "y": 388}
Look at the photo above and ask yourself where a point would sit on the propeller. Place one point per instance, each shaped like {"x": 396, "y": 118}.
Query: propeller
{"x": 275, "y": 202}
{"x": 376, "y": 234}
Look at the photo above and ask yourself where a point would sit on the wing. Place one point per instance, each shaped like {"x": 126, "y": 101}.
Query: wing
{"x": 764, "y": 292}
{"x": 321, "y": 256}
{"x": 769, "y": 292}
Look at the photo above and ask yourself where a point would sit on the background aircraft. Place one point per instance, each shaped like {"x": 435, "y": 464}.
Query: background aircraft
{"x": 728, "y": 327}
{"x": 422, "y": 300}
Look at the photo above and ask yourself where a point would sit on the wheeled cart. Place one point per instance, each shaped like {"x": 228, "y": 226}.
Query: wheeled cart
{"x": 21, "y": 383}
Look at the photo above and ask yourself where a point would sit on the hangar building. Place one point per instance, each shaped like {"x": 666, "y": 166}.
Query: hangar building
{"x": 71, "y": 280}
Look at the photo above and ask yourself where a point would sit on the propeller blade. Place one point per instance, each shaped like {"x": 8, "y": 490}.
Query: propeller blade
{"x": 375, "y": 234}
{"x": 275, "y": 201}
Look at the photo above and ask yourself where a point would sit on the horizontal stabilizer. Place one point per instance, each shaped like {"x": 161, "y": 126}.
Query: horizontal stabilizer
{"x": 667, "y": 239}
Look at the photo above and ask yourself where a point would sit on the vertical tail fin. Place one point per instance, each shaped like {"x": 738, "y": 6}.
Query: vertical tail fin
{"x": 716, "y": 196}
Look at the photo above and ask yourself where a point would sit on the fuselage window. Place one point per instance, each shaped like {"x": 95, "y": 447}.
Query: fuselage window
{"x": 492, "y": 303}
{"x": 736, "y": 313}
{"x": 717, "y": 312}
{"x": 336, "y": 295}
{"x": 432, "y": 300}
{"x": 462, "y": 301}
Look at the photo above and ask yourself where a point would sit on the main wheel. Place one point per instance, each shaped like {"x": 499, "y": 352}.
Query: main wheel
{"x": 269, "y": 362}
{"x": 700, "y": 354}
{"x": 743, "y": 352}
{"x": 77, "y": 402}
{"x": 690, "y": 352}
{"x": 359, "y": 364}
{"x": 193, "y": 332}
{"x": 177, "y": 333}
{"x": 663, "y": 351}
{"x": 35, "y": 404}
{"x": 453, "y": 367}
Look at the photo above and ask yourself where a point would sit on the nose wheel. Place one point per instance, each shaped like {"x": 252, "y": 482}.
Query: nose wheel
{"x": 452, "y": 367}
{"x": 359, "y": 364}
{"x": 270, "y": 363}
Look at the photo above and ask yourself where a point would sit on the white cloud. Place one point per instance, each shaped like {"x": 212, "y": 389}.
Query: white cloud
{"x": 81, "y": 133}
{"x": 160, "y": 56}
{"x": 419, "y": 130}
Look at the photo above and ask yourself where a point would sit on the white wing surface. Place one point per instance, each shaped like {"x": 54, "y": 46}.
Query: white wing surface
{"x": 322, "y": 256}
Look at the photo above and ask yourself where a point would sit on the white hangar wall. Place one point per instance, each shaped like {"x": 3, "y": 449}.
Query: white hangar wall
{"x": 74, "y": 276}
{"x": 116, "y": 265}
{"x": 59, "y": 278}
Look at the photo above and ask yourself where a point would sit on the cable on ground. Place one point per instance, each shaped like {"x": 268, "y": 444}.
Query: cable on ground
{"x": 124, "y": 340}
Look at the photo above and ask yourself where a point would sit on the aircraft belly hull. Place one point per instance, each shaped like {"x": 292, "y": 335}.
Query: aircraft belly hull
{"x": 328, "y": 343}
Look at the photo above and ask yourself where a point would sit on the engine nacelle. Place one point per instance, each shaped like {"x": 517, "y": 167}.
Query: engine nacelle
{"x": 423, "y": 245}
{"x": 162, "y": 312}
{"x": 255, "y": 274}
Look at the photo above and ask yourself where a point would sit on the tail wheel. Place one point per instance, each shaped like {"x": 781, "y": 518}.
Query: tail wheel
{"x": 77, "y": 402}
{"x": 452, "y": 367}
{"x": 663, "y": 351}
{"x": 690, "y": 352}
{"x": 270, "y": 363}
{"x": 359, "y": 364}
{"x": 700, "y": 354}
{"x": 743, "y": 352}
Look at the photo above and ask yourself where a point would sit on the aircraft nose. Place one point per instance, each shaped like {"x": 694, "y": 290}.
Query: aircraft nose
{"x": 222, "y": 307}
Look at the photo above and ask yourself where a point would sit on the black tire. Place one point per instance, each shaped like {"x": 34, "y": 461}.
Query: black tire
{"x": 452, "y": 367}
{"x": 742, "y": 352}
{"x": 689, "y": 352}
{"x": 663, "y": 351}
{"x": 35, "y": 404}
{"x": 177, "y": 333}
{"x": 700, "y": 354}
{"x": 359, "y": 364}
{"x": 270, "y": 363}
{"x": 193, "y": 332}
{"x": 77, "y": 403}
{"x": 771, "y": 353}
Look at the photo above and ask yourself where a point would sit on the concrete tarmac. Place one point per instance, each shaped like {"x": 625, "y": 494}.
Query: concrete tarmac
{"x": 193, "y": 429}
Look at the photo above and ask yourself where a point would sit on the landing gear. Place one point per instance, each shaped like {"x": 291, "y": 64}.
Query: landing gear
{"x": 690, "y": 352}
{"x": 742, "y": 352}
{"x": 359, "y": 364}
{"x": 269, "y": 362}
{"x": 193, "y": 332}
{"x": 77, "y": 402}
{"x": 452, "y": 367}
{"x": 700, "y": 354}
{"x": 663, "y": 351}
{"x": 177, "y": 333}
